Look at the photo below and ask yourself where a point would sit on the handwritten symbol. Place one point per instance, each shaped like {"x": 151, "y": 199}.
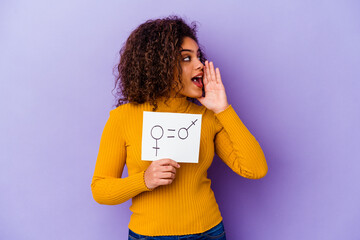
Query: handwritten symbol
{"x": 186, "y": 131}
{"x": 157, "y": 134}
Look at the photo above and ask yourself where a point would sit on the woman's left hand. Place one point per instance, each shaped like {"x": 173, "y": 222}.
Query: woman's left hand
{"x": 215, "y": 97}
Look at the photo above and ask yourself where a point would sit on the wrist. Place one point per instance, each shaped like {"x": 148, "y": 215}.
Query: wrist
{"x": 146, "y": 183}
{"x": 219, "y": 110}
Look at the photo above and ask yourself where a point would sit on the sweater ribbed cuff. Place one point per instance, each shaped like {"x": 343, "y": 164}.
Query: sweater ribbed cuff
{"x": 147, "y": 189}
{"x": 232, "y": 123}
{"x": 228, "y": 112}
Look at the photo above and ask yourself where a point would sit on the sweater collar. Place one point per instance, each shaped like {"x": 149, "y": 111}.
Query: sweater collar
{"x": 173, "y": 104}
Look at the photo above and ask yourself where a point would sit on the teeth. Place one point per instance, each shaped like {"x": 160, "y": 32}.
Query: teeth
{"x": 197, "y": 78}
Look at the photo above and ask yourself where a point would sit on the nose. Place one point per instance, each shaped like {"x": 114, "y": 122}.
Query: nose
{"x": 199, "y": 65}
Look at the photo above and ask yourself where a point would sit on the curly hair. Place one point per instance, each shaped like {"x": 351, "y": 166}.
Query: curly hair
{"x": 148, "y": 60}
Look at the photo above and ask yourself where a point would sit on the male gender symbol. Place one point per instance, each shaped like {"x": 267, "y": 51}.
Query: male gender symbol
{"x": 185, "y": 131}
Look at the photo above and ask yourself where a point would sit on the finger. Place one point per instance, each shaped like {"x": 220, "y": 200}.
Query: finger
{"x": 218, "y": 77}
{"x": 207, "y": 71}
{"x": 164, "y": 181}
{"x": 168, "y": 169}
{"x": 212, "y": 72}
{"x": 167, "y": 175}
{"x": 168, "y": 161}
{"x": 205, "y": 80}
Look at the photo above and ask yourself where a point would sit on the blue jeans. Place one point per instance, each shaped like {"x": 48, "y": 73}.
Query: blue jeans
{"x": 215, "y": 233}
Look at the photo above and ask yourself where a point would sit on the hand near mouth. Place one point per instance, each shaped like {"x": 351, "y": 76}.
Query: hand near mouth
{"x": 215, "y": 97}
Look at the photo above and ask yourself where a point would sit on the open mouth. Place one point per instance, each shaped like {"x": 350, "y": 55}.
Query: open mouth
{"x": 197, "y": 81}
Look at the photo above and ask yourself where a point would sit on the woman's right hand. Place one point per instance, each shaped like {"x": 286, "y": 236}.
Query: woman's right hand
{"x": 160, "y": 172}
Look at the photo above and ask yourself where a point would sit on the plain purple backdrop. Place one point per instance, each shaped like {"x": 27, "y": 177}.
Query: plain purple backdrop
{"x": 290, "y": 69}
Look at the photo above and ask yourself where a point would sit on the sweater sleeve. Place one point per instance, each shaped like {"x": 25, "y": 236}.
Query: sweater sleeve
{"x": 107, "y": 186}
{"x": 237, "y": 147}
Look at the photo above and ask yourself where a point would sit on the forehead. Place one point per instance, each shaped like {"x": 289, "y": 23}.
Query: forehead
{"x": 189, "y": 43}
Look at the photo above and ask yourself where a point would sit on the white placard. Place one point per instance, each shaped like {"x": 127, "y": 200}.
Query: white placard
{"x": 171, "y": 135}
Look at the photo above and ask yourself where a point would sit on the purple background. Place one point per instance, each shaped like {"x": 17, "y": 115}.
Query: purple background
{"x": 291, "y": 71}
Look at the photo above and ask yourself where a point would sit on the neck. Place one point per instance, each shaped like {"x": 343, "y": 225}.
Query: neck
{"x": 178, "y": 103}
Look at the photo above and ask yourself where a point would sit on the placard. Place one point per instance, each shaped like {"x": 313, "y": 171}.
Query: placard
{"x": 171, "y": 135}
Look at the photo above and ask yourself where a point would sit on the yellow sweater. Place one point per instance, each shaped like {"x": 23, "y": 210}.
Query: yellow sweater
{"x": 187, "y": 205}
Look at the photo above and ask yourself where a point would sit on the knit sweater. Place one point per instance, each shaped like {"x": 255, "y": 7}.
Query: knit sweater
{"x": 187, "y": 205}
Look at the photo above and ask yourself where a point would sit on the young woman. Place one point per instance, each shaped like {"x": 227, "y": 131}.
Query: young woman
{"x": 161, "y": 69}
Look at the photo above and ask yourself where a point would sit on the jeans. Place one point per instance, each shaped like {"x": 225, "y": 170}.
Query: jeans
{"x": 215, "y": 233}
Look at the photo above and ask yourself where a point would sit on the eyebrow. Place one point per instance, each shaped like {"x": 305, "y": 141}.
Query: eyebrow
{"x": 188, "y": 50}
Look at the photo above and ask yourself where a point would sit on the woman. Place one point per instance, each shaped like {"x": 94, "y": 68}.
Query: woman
{"x": 161, "y": 67}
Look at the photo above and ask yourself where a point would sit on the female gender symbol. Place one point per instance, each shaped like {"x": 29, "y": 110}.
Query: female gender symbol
{"x": 158, "y": 133}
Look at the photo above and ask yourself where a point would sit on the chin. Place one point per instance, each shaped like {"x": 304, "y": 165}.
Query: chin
{"x": 194, "y": 95}
{"x": 199, "y": 93}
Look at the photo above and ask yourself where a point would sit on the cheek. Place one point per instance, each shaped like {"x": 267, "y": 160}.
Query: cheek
{"x": 186, "y": 74}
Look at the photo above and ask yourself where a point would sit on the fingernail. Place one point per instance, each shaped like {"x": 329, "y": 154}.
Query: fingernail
{"x": 178, "y": 165}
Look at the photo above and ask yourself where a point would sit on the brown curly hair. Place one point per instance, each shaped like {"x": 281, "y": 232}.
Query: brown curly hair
{"x": 148, "y": 60}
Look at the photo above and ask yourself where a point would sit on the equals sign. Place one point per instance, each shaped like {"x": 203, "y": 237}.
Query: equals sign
{"x": 173, "y": 131}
